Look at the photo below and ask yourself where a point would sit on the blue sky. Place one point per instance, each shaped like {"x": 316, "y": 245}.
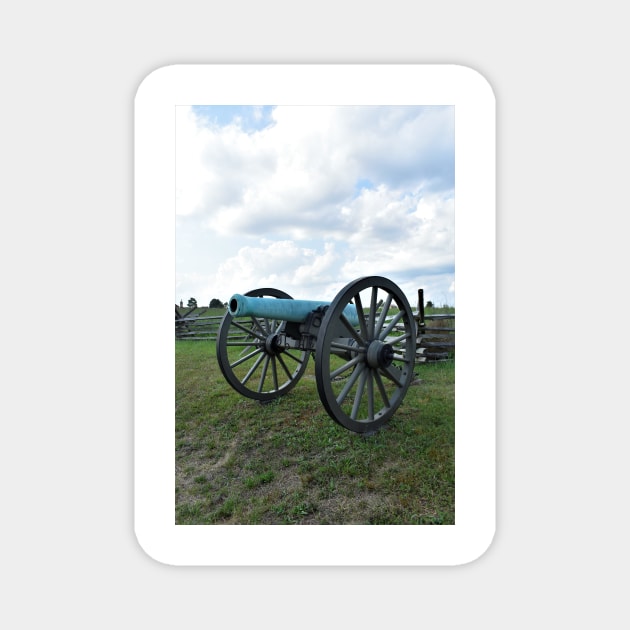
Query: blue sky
{"x": 306, "y": 199}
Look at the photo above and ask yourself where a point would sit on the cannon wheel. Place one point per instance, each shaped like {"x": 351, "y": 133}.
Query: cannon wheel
{"x": 363, "y": 371}
{"x": 251, "y": 362}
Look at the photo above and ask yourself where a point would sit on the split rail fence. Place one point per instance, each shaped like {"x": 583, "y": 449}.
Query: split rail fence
{"x": 435, "y": 341}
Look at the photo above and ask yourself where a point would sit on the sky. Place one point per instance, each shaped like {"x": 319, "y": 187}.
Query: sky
{"x": 307, "y": 199}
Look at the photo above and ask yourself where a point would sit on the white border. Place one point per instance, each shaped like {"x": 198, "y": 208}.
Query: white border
{"x": 475, "y": 272}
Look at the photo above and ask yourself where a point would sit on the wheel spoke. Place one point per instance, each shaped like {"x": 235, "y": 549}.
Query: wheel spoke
{"x": 394, "y": 375}
{"x": 351, "y": 381}
{"x": 274, "y": 372}
{"x": 401, "y": 358}
{"x": 396, "y": 340}
{"x": 245, "y": 358}
{"x": 394, "y": 320}
{"x": 381, "y": 388}
{"x": 257, "y": 324}
{"x": 244, "y": 344}
{"x": 253, "y": 369}
{"x": 351, "y": 330}
{"x": 361, "y": 315}
{"x": 250, "y": 331}
{"x": 370, "y": 396}
{"x": 345, "y": 346}
{"x": 287, "y": 353}
{"x": 247, "y": 347}
{"x": 284, "y": 367}
{"x": 383, "y": 315}
{"x": 264, "y": 374}
{"x": 372, "y": 313}
{"x": 358, "y": 395}
{"x": 345, "y": 367}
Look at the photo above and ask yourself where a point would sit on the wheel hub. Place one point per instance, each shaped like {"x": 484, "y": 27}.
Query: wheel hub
{"x": 379, "y": 354}
{"x": 271, "y": 344}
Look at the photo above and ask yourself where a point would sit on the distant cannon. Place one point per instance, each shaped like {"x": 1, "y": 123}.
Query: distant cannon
{"x": 364, "y": 344}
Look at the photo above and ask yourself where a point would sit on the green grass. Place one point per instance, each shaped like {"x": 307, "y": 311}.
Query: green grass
{"x": 288, "y": 462}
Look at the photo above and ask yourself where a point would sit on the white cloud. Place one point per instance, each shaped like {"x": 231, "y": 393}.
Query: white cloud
{"x": 282, "y": 265}
{"x": 319, "y": 197}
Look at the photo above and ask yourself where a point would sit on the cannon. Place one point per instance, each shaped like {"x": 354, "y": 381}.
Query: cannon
{"x": 363, "y": 343}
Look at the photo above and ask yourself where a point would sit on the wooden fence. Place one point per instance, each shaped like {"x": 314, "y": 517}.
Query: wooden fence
{"x": 435, "y": 341}
{"x": 195, "y": 324}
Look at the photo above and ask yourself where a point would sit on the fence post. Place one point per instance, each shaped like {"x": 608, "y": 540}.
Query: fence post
{"x": 420, "y": 310}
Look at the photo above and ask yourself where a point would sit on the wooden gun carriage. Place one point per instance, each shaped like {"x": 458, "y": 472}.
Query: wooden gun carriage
{"x": 363, "y": 343}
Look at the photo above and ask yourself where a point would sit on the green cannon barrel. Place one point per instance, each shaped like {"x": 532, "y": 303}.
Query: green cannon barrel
{"x": 286, "y": 310}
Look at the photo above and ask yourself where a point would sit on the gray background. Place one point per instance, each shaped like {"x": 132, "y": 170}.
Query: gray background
{"x": 69, "y": 74}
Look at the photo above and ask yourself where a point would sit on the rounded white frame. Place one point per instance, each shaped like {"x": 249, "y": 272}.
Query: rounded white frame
{"x": 154, "y": 276}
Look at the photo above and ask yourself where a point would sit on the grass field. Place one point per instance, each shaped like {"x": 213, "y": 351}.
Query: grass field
{"x": 288, "y": 462}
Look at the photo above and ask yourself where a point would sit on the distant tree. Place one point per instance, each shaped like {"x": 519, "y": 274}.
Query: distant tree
{"x": 192, "y": 303}
{"x": 429, "y": 304}
{"x": 215, "y": 303}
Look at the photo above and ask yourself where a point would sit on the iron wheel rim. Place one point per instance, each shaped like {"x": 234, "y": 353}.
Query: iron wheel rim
{"x": 363, "y": 389}
{"x": 249, "y": 359}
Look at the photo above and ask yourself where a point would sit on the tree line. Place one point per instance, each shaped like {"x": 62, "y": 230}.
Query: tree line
{"x": 214, "y": 303}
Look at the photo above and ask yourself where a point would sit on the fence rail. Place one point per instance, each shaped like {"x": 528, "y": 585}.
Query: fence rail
{"x": 435, "y": 341}
{"x": 192, "y": 323}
